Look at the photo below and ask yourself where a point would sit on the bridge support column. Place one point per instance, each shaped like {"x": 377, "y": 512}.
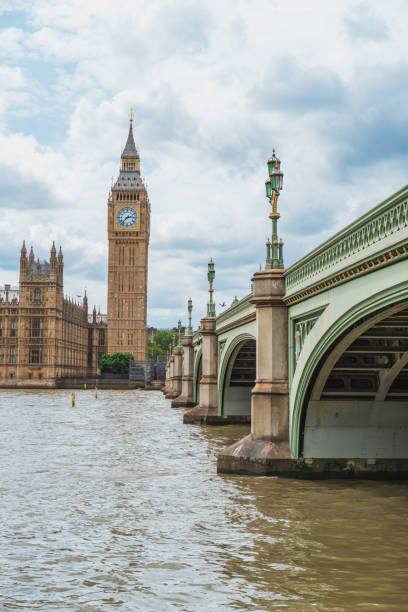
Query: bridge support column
{"x": 166, "y": 378}
{"x": 185, "y": 400}
{"x": 270, "y": 395}
{"x": 268, "y": 442}
{"x": 177, "y": 370}
{"x": 170, "y": 388}
{"x": 208, "y": 406}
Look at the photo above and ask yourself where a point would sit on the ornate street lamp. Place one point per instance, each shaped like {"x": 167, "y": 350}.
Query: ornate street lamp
{"x": 211, "y": 276}
{"x": 179, "y": 333}
{"x": 190, "y": 310}
{"x": 273, "y": 187}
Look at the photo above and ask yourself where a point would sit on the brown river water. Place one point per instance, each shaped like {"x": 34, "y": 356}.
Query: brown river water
{"x": 116, "y": 505}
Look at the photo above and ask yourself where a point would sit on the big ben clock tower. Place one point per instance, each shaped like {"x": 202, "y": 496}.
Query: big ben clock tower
{"x": 128, "y": 234}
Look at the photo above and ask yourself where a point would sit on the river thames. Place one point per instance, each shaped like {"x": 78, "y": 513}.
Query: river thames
{"x": 116, "y": 505}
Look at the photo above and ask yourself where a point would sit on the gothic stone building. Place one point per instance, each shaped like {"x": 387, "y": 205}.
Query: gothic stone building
{"x": 45, "y": 337}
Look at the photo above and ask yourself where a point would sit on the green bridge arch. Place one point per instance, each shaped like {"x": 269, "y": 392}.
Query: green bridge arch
{"x": 227, "y": 359}
{"x": 346, "y": 312}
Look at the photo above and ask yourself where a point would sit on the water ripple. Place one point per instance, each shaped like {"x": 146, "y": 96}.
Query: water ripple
{"x": 116, "y": 505}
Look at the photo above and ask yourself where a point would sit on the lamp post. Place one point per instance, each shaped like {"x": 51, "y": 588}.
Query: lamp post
{"x": 190, "y": 310}
{"x": 211, "y": 276}
{"x": 273, "y": 186}
{"x": 179, "y": 333}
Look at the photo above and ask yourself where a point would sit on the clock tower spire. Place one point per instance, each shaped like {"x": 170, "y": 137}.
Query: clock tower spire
{"x": 128, "y": 235}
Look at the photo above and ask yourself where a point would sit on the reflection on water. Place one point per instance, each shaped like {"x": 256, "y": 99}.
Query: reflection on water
{"x": 116, "y": 504}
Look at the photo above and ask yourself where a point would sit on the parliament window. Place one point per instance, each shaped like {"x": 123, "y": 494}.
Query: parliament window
{"x": 37, "y": 296}
{"x": 13, "y": 328}
{"x": 1, "y": 327}
{"x": 1, "y": 354}
{"x": 101, "y": 337}
{"x": 37, "y": 328}
{"x": 36, "y": 354}
{"x": 12, "y": 354}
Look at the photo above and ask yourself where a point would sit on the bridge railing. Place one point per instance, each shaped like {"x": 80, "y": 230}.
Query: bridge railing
{"x": 381, "y": 228}
{"x": 237, "y": 310}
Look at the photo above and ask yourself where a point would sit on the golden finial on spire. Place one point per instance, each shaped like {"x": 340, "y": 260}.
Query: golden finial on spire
{"x": 131, "y": 114}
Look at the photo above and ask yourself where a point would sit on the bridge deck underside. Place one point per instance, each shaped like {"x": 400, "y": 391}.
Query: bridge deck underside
{"x": 240, "y": 379}
{"x": 362, "y": 409}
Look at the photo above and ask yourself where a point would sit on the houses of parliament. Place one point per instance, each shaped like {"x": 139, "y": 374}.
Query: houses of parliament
{"x": 45, "y": 337}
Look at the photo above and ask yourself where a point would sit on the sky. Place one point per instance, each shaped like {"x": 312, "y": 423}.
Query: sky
{"x": 214, "y": 86}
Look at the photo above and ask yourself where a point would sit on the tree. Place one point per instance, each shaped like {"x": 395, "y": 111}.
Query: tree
{"x": 153, "y": 350}
{"x": 116, "y": 363}
{"x": 161, "y": 342}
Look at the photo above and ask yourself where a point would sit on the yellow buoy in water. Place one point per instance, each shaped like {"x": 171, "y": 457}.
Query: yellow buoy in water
{"x": 96, "y": 392}
{"x": 73, "y": 399}
{"x": 85, "y": 386}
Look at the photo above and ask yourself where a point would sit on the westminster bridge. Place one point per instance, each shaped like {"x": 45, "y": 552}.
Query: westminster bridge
{"x": 316, "y": 358}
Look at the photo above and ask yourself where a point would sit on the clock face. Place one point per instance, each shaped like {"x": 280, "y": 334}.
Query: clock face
{"x": 127, "y": 217}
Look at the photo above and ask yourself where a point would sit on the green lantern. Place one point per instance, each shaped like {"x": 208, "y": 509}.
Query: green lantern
{"x": 277, "y": 180}
{"x": 271, "y": 162}
{"x": 275, "y": 175}
{"x": 211, "y": 271}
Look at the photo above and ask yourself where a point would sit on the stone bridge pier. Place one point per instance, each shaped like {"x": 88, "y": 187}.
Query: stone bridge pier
{"x": 268, "y": 441}
{"x": 207, "y": 409}
{"x": 169, "y": 387}
{"x": 185, "y": 399}
{"x": 166, "y": 378}
{"x": 177, "y": 373}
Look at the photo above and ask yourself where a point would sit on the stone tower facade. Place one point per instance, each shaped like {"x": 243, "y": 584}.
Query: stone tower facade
{"x": 128, "y": 234}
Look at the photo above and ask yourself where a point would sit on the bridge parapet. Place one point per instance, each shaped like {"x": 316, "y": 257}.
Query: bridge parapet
{"x": 239, "y": 313}
{"x": 196, "y": 337}
{"x": 377, "y": 238}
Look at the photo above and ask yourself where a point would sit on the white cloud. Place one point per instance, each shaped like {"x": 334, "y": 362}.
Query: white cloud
{"x": 214, "y": 86}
